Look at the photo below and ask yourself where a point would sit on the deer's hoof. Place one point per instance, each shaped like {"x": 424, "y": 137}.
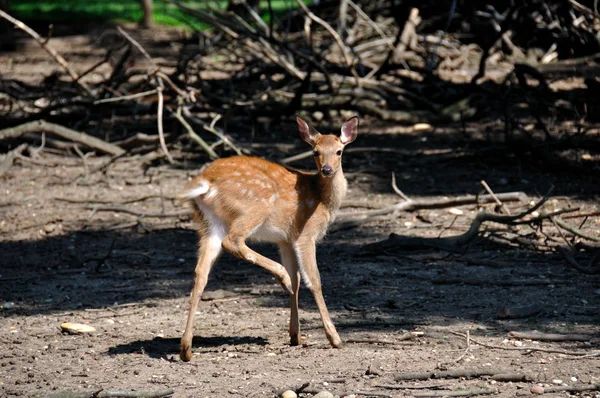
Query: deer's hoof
{"x": 336, "y": 342}
{"x": 286, "y": 283}
{"x": 185, "y": 353}
{"x": 294, "y": 340}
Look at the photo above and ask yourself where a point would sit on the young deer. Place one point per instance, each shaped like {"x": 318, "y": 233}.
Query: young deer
{"x": 245, "y": 198}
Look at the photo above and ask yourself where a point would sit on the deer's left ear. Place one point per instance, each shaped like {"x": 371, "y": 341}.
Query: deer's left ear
{"x": 349, "y": 130}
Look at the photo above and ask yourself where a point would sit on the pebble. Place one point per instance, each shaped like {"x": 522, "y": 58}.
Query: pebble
{"x": 76, "y": 328}
{"x": 537, "y": 390}
{"x": 557, "y": 381}
{"x": 289, "y": 394}
{"x": 323, "y": 394}
{"x": 374, "y": 369}
{"x": 422, "y": 127}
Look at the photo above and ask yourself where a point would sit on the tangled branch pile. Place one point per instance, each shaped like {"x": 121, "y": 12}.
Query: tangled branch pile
{"x": 440, "y": 62}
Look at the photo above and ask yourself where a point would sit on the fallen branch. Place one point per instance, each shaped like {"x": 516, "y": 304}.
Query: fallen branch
{"x": 10, "y": 157}
{"x": 44, "y": 44}
{"x": 457, "y": 393}
{"x": 549, "y": 350}
{"x": 457, "y": 243}
{"x": 436, "y": 203}
{"x": 575, "y": 231}
{"x": 111, "y": 394}
{"x": 63, "y": 132}
{"x": 519, "y": 312}
{"x": 580, "y": 388}
{"x": 139, "y": 213}
{"x": 448, "y": 374}
{"x": 535, "y": 335}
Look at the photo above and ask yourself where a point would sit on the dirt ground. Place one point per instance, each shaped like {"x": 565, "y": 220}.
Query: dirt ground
{"x": 66, "y": 256}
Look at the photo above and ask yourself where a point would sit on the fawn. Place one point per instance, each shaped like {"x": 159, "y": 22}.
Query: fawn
{"x": 246, "y": 198}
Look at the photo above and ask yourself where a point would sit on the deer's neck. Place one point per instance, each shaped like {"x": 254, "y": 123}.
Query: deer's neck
{"x": 333, "y": 190}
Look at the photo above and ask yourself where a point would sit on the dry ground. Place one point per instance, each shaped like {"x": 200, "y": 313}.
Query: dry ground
{"x": 129, "y": 277}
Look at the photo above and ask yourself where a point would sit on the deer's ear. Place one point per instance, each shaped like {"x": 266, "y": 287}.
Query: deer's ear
{"x": 349, "y": 131}
{"x": 307, "y": 132}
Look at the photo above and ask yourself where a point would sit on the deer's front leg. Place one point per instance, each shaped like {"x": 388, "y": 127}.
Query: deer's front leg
{"x": 289, "y": 261}
{"x": 308, "y": 262}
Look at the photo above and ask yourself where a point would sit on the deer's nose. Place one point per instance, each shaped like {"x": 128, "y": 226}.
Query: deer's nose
{"x": 326, "y": 170}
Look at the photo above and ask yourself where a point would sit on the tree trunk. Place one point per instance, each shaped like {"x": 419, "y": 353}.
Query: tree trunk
{"x": 147, "y": 7}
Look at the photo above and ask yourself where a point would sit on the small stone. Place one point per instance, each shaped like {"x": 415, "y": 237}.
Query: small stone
{"x": 76, "y": 328}
{"x": 557, "y": 381}
{"x": 537, "y": 390}
{"x": 374, "y": 369}
{"x": 455, "y": 211}
{"x": 289, "y": 394}
{"x": 8, "y": 305}
{"x": 422, "y": 127}
{"x": 573, "y": 379}
{"x": 323, "y": 394}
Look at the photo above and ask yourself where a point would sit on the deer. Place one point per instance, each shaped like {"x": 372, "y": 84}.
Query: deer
{"x": 243, "y": 198}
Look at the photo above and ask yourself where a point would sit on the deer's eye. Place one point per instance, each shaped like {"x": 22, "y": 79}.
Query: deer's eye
{"x": 315, "y": 153}
{"x": 339, "y": 152}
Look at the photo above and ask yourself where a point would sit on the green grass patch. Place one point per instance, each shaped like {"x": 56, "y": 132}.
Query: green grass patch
{"x": 81, "y": 11}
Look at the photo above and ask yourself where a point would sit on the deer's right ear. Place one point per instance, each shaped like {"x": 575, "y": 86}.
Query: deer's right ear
{"x": 307, "y": 132}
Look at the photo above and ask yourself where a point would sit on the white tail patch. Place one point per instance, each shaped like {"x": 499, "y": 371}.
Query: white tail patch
{"x": 200, "y": 189}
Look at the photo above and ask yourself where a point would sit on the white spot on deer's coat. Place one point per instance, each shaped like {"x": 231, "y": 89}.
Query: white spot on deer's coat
{"x": 273, "y": 198}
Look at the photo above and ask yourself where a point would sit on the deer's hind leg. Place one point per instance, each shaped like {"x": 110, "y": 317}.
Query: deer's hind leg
{"x": 210, "y": 248}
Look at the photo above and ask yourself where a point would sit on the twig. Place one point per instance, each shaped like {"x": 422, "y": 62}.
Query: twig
{"x": 63, "y": 132}
{"x": 44, "y": 44}
{"x": 159, "y": 90}
{"x": 467, "y": 350}
{"x": 329, "y": 29}
{"x": 211, "y": 129}
{"x": 159, "y": 121}
{"x": 126, "y": 97}
{"x": 498, "y": 202}
{"x": 135, "y": 212}
{"x": 211, "y": 153}
{"x": 84, "y": 158}
{"x": 397, "y": 190}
